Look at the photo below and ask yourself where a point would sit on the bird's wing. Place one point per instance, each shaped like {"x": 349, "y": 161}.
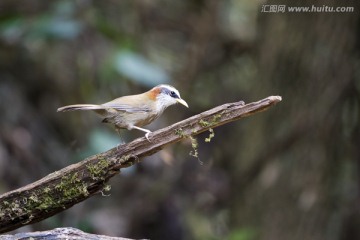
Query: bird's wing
{"x": 126, "y": 108}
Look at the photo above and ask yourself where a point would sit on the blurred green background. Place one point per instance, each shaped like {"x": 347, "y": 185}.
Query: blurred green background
{"x": 288, "y": 173}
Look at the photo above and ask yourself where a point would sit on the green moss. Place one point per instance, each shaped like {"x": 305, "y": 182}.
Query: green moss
{"x": 180, "y": 132}
{"x": 194, "y": 145}
{"x": 47, "y": 190}
{"x": 47, "y": 202}
{"x": 215, "y": 120}
{"x": 47, "y": 199}
{"x": 204, "y": 123}
{"x": 106, "y": 189}
{"x": 15, "y": 208}
{"x": 98, "y": 170}
{"x": 125, "y": 158}
{"x": 211, "y": 135}
{"x": 71, "y": 187}
{"x": 195, "y": 152}
{"x": 33, "y": 199}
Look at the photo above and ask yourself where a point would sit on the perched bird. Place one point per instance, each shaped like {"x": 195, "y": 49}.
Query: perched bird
{"x": 134, "y": 111}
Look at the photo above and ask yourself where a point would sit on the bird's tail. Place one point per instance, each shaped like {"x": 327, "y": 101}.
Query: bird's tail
{"x": 80, "y": 107}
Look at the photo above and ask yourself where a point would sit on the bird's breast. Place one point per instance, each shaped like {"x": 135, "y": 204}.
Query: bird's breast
{"x": 124, "y": 119}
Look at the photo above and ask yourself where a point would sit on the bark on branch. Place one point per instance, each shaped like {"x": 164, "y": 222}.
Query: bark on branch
{"x": 64, "y": 188}
{"x": 60, "y": 233}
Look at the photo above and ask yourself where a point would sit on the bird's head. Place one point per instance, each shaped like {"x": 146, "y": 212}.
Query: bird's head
{"x": 165, "y": 96}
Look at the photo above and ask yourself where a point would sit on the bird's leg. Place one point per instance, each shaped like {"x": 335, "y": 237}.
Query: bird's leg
{"x": 121, "y": 140}
{"x": 143, "y": 130}
{"x": 118, "y": 131}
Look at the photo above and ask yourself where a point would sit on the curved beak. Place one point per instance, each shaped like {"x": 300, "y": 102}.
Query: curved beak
{"x": 181, "y": 101}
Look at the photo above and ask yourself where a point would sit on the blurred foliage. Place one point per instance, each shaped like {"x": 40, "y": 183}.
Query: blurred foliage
{"x": 242, "y": 234}
{"x": 288, "y": 173}
{"x": 58, "y": 24}
{"x": 128, "y": 64}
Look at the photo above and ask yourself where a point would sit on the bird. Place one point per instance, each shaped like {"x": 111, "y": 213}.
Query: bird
{"x": 134, "y": 111}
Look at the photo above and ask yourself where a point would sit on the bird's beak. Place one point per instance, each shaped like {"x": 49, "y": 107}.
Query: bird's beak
{"x": 181, "y": 101}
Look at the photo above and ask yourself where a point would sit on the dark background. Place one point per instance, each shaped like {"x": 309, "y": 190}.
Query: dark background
{"x": 288, "y": 173}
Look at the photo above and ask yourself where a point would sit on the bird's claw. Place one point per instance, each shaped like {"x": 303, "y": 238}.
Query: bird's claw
{"x": 147, "y": 136}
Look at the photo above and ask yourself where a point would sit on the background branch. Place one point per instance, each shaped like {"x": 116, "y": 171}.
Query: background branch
{"x": 64, "y": 188}
{"x": 60, "y": 233}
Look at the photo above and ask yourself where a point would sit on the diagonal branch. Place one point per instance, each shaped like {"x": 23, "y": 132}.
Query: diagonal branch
{"x": 64, "y": 188}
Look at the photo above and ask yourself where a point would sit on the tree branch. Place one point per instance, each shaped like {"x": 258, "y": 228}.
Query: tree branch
{"x": 61, "y": 233}
{"x": 64, "y": 188}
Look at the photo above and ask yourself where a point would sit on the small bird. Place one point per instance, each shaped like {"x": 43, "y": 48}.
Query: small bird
{"x": 134, "y": 111}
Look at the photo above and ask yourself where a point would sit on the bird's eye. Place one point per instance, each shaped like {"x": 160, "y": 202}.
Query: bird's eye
{"x": 172, "y": 93}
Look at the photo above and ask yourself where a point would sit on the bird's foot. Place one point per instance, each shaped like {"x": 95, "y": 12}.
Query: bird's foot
{"x": 147, "y": 135}
{"x": 143, "y": 130}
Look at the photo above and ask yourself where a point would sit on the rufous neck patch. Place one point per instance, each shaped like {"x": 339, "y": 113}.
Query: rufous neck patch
{"x": 153, "y": 93}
